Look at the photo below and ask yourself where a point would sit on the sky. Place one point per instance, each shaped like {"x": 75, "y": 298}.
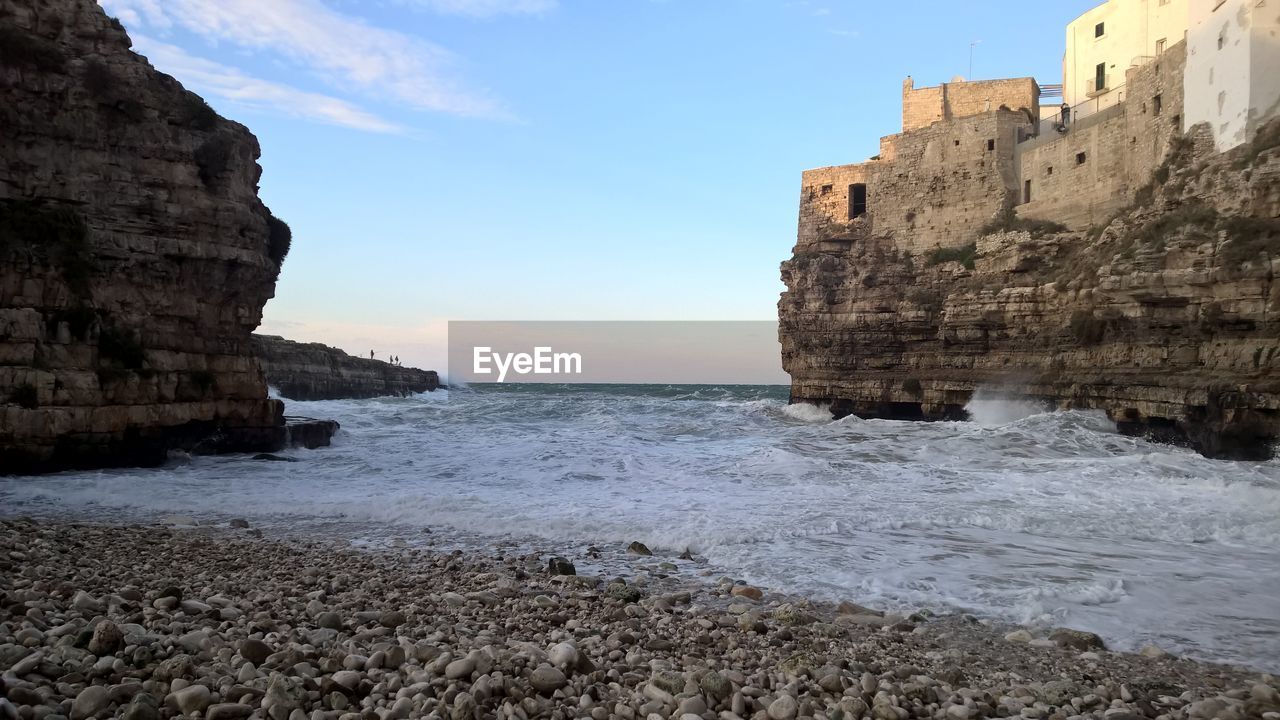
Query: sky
{"x": 558, "y": 159}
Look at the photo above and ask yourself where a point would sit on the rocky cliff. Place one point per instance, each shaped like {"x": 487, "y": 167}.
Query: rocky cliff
{"x": 135, "y": 255}
{"x": 1167, "y": 318}
{"x": 312, "y": 371}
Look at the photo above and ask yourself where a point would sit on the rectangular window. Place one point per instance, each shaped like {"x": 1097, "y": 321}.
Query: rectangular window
{"x": 1177, "y": 123}
{"x": 1160, "y": 45}
{"x": 1026, "y": 192}
{"x": 1049, "y": 170}
{"x": 826, "y": 189}
{"x": 1156, "y": 105}
{"x": 1099, "y": 30}
{"x": 991, "y": 145}
{"x": 1080, "y": 158}
{"x": 857, "y": 200}
{"x": 1100, "y": 77}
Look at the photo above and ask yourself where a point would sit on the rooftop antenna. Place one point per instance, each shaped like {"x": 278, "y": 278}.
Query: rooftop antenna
{"x": 972, "y": 45}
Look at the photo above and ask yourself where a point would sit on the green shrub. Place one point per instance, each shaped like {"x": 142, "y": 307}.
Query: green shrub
{"x": 1193, "y": 219}
{"x": 121, "y": 347}
{"x": 965, "y": 255}
{"x": 1008, "y": 221}
{"x": 925, "y": 298}
{"x": 1248, "y": 237}
{"x": 25, "y": 396}
{"x": 213, "y": 157}
{"x": 19, "y": 48}
{"x": 55, "y": 232}
{"x": 1266, "y": 138}
{"x": 280, "y": 237}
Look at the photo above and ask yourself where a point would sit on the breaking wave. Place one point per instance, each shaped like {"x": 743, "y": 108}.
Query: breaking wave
{"x": 1021, "y": 515}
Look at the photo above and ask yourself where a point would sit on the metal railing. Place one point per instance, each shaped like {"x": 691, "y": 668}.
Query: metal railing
{"x": 1075, "y": 113}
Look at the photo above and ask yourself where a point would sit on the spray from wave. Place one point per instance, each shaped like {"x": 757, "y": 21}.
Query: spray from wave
{"x": 808, "y": 412}
{"x": 993, "y": 408}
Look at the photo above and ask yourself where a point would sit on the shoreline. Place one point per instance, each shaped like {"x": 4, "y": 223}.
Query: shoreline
{"x": 230, "y": 625}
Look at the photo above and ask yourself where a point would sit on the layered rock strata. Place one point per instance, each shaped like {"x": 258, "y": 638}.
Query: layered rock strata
{"x": 313, "y": 371}
{"x": 135, "y": 255}
{"x": 1167, "y": 316}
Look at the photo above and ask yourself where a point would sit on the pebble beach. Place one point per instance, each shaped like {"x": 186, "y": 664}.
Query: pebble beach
{"x": 220, "y": 623}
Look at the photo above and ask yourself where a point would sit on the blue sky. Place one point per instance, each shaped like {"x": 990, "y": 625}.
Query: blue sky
{"x": 558, "y": 159}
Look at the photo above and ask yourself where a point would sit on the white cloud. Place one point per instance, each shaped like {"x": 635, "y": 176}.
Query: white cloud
{"x": 340, "y": 49}
{"x": 213, "y": 79}
{"x": 486, "y": 8}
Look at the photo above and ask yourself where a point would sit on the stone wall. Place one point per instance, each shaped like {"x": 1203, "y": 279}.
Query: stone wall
{"x": 922, "y": 107}
{"x": 933, "y": 187}
{"x": 312, "y": 371}
{"x": 1079, "y": 179}
{"x": 1122, "y": 146}
{"x": 135, "y": 255}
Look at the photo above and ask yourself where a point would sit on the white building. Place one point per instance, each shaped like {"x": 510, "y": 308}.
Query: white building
{"x": 1109, "y": 39}
{"x": 1232, "y": 79}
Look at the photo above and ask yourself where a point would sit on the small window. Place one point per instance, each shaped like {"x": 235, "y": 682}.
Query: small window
{"x": 1156, "y": 105}
{"x": 1164, "y": 2}
{"x": 857, "y": 200}
{"x": 1099, "y": 30}
{"x": 1080, "y": 158}
{"x": 1177, "y": 123}
{"x": 1026, "y": 192}
{"x": 1160, "y": 45}
{"x": 1100, "y": 77}
{"x": 1048, "y": 170}
{"x": 826, "y": 189}
{"x": 957, "y": 143}
{"x": 991, "y": 145}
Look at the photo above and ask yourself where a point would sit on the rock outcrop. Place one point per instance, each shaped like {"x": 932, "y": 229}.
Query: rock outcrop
{"x": 1167, "y": 318}
{"x": 135, "y": 255}
{"x": 312, "y": 371}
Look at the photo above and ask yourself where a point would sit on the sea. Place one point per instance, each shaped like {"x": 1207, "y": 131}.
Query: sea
{"x": 1022, "y": 516}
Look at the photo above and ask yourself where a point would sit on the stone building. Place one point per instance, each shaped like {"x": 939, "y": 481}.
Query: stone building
{"x": 1105, "y": 42}
{"x": 1233, "y": 67}
{"x": 1081, "y": 174}
{"x": 969, "y": 151}
{"x": 938, "y": 181}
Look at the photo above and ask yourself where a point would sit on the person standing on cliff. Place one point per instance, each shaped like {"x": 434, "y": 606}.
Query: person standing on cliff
{"x": 370, "y": 354}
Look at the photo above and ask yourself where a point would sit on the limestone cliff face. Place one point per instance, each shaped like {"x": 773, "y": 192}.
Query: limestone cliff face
{"x": 312, "y": 371}
{"x": 1168, "y": 318}
{"x": 135, "y": 255}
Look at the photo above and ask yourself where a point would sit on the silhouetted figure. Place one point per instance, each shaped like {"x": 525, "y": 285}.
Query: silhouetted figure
{"x": 1066, "y": 117}
{"x": 370, "y": 354}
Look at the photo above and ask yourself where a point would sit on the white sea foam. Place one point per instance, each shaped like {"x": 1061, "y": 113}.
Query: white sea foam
{"x": 1031, "y": 516}
{"x": 808, "y": 412}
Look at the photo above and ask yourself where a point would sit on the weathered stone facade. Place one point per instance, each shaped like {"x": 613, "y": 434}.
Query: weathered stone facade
{"x": 1168, "y": 318}
{"x": 1081, "y": 177}
{"x": 922, "y": 107}
{"x": 135, "y": 255}
{"x": 934, "y": 186}
{"x": 312, "y": 371}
